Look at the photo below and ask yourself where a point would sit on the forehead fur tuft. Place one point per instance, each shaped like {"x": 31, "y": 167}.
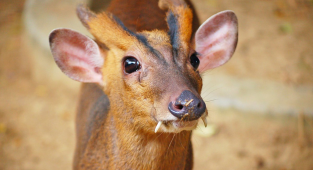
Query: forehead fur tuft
{"x": 157, "y": 37}
{"x": 109, "y": 30}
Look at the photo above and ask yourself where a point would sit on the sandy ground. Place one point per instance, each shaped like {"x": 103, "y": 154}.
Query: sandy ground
{"x": 37, "y": 119}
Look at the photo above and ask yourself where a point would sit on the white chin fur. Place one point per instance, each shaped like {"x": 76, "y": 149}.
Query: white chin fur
{"x": 175, "y": 126}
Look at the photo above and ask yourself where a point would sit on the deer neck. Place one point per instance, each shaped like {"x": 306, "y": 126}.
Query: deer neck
{"x": 155, "y": 150}
{"x": 118, "y": 145}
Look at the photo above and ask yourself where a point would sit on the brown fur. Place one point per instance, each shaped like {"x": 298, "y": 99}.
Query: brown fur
{"x": 103, "y": 28}
{"x": 113, "y": 129}
{"x": 139, "y": 15}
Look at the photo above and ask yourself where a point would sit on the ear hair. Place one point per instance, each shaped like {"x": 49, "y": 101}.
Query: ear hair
{"x": 216, "y": 40}
{"x": 76, "y": 55}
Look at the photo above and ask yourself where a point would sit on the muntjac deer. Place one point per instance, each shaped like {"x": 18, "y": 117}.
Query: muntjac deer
{"x": 140, "y": 97}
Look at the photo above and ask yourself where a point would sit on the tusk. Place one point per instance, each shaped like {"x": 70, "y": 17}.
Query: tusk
{"x": 158, "y": 127}
{"x": 205, "y": 122}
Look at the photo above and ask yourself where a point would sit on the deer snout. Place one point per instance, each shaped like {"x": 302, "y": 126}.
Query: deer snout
{"x": 187, "y": 106}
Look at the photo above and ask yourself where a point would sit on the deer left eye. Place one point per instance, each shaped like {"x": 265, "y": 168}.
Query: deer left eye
{"x": 194, "y": 60}
{"x": 131, "y": 64}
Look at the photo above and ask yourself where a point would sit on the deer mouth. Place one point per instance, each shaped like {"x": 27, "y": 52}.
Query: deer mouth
{"x": 176, "y": 126}
{"x": 186, "y": 125}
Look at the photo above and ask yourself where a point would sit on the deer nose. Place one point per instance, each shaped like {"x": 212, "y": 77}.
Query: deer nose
{"x": 187, "y": 106}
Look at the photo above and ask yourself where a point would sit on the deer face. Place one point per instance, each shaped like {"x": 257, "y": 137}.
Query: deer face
{"x": 151, "y": 77}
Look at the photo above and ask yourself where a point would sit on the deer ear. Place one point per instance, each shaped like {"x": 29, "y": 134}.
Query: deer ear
{"x": 216, "y": 40}
{"x": 76, "y": 55}
{"x": 84, "y": 15}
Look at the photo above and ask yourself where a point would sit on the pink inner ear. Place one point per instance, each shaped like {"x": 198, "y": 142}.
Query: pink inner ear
{"x": 77, "y": 55}
{"x": 216, "y": 40}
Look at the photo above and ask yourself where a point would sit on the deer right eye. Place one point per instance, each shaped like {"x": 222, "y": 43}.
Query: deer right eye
{"x": 194, "y": 60}
{"x": 131, "y": 65}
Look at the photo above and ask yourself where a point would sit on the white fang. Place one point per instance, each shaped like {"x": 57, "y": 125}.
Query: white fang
{"x": 205, "y": 122}
{"x": 158, "y": 127}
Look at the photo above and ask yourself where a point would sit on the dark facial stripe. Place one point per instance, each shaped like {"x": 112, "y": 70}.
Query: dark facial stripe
{"x": 145, "y": 42}
{"x": 139, "y": 37}
{"x": 173, "y": 30}
{"x": 119, "y": 22}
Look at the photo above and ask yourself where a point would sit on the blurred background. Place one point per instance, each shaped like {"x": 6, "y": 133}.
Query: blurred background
{"x": 260, "y": 103}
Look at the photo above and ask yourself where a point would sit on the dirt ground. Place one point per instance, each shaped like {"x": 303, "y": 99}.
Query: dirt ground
{"x": 37, "y": 119}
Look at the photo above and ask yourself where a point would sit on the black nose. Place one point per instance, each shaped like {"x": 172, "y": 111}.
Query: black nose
{"x": 187, "y": 106}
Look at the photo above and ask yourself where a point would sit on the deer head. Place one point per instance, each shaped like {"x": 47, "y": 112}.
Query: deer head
{"x": 152, "y": 78}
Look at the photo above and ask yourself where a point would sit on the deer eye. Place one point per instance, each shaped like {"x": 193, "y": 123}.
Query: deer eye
{"x": 194, "y": 60}
{"x": 131, "y": 64}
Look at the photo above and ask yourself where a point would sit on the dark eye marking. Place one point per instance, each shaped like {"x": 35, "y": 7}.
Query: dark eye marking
{"x": 131, "y": 64}
{"x": 194, "y": 60}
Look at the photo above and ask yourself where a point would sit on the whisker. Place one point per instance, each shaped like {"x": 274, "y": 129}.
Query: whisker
{"x": 210, "y": 100}
{"x": 181, "y": 143}
{"x": 158, "y": 136}
{"x": 206, "y": 95}
{"x": 170, "y": 143}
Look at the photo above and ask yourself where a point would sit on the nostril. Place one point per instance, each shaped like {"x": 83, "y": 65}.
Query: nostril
{"x": 199, "y": 105}
{"x": 178, "y": 107}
